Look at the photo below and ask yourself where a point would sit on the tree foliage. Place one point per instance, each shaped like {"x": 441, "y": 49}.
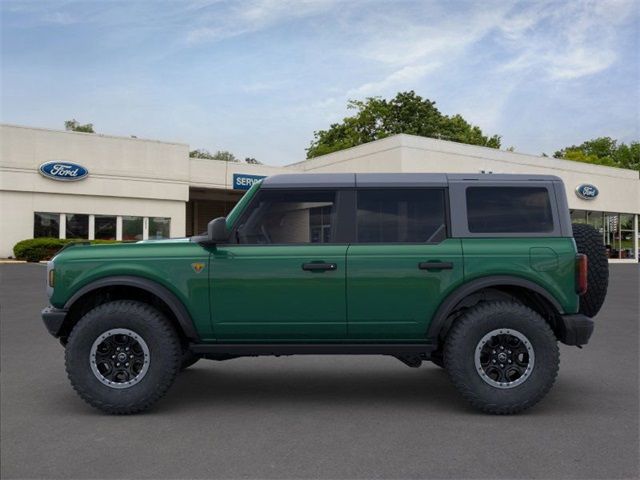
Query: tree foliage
{"x": 604, "y": 151}
{"x": 377, "y": 118}
{"x": 74, "y": 126}
{"x": 222, "y": 155}
{"x": 252, "y": 161}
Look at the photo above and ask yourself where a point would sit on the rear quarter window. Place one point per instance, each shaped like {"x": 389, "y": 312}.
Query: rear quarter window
{"x": 509, "y": 210}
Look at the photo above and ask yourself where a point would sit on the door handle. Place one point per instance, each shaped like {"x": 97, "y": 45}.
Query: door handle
{"x": 435, "y": 265}
{"x": 319, "y": 266}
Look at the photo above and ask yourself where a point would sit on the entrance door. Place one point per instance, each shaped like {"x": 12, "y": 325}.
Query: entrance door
{"x": 402, "y": 264}
{"x": 285, "y": 277}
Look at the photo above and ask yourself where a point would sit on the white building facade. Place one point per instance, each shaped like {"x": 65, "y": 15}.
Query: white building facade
{"x": 137, "y": 189}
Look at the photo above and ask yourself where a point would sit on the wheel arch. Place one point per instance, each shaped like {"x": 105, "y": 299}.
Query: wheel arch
{"x": 527, "y": 291}
{"x": 131, "y": 287}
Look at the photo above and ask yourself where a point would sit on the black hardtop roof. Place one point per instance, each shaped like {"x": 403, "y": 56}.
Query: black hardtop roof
{"x": 346, "y": 180}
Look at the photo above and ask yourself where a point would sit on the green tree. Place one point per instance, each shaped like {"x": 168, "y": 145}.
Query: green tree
{"x": 377, "y": 118}
{"x": 219, "y": 155}
{"x": 74, "y": 126}
{"x": 252, "y": 161}
{"x": 604, "y": 151}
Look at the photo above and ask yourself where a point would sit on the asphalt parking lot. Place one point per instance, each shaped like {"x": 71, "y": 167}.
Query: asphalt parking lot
{"x": 317, "y": 417}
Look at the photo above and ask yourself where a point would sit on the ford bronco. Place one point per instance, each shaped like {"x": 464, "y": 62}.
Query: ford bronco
{"x": 479, "y": 274}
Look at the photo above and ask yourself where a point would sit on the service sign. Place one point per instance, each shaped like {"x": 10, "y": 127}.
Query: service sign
{"x": 586, "y": 191}
{"x": 63, "y": 171}
{"x": 243, "y": 181}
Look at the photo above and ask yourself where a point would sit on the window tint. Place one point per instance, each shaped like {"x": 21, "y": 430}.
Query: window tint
{"x": 46, "y": 225}
{"x": 401, "y": 215}
{"x": 105, "y": 227}
{"x": 132, "y": 228}
{"x": 509, "y": 210}
{"x": 278, "y": 217}
{"x": 159, "y": 227}
{"x": 77, "y": 226}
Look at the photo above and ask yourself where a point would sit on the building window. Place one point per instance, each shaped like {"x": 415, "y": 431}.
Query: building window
{"x": 627, "y": 244}
{"x": 509, "y": 210}
{"x": 617, "y": 230}
{"x": 77, "y": 226}
{"x": 401, "y": 216}
{"x": 105, "y": 227}
{"x": 132, "y": 228}
{"x": 578, "y": 216}
{"x": 46, "y": 225}
{"x": 159, "y": 227}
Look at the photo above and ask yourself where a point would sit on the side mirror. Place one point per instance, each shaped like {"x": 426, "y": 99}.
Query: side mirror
{"x": 217, "y": 230}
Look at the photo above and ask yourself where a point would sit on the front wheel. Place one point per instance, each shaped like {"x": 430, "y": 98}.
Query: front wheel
{"x": 502, "y": 356}
{"x": 122, "y": 356}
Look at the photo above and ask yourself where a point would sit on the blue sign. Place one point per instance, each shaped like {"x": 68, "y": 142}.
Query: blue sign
{"x": 63, "y": 171}
{"x": 587, "y": 191}
{"x": 245, "y": 182}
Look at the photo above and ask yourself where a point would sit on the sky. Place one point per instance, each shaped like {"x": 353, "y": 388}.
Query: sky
{"x": 258, "y": 77}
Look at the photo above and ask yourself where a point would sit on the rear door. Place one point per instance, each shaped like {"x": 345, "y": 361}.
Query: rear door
{"x": 402, "y": 264}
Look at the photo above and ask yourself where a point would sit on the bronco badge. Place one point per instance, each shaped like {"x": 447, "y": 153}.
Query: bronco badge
{"x": 197, "y": 267}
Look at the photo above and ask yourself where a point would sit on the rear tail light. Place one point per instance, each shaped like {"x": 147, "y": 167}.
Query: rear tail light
{"x": 581, "y": 274}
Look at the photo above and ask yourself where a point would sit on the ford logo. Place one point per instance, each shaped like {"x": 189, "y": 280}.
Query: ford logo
{"x": 587, "y": 191}
{"x": 63, "y": 171}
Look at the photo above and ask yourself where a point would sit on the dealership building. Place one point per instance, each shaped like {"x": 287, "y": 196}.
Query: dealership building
{"x": 90, "y": 186}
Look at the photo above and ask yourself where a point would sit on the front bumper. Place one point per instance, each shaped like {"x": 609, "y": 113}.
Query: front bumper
{"x": 53, "y": 319}
{"x": 575, "y": 329}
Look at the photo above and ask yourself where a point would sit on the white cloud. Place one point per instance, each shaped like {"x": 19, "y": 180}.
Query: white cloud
{"x": 405, "y": 77}
{"x": 565, "y": 41}
{"x": 250, "y": 16}
{"x": 427, "y": 35}
{"x": 59, "y": 18}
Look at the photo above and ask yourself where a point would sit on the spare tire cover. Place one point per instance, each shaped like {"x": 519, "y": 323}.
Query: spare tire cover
{"x": 589, "y": 241}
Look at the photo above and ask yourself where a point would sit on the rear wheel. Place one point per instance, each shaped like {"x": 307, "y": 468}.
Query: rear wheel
{"x": 122, "y": 356}
{"x": 502, "y": 356}
{"x": 437, "y": 358}
{"x": 589, "y": 242}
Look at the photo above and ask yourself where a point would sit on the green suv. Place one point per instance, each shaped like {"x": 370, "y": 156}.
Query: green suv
{"x": 480, "y": 274}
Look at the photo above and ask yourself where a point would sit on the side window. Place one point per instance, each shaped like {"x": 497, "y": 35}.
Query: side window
{"x": 289, "y": 216}
{"x": 509, "y": 210}
{"x": 401, "y": 215}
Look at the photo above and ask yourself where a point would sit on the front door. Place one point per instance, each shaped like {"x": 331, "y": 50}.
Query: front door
{"x": 402, "y": 265}
{"x": 285, "y": 277}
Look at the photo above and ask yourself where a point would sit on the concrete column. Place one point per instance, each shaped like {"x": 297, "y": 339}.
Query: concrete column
{"x": 636, "y": 221}
{"x": 145, "y": 228}
{"x": 119, "y": 228}
{"x": 92, "y": 227}
{"x": 63, "y": 225}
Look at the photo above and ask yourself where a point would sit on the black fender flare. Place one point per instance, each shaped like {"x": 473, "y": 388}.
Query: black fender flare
{"x": 439, "y": 319}
{"x": 175, "y": 305}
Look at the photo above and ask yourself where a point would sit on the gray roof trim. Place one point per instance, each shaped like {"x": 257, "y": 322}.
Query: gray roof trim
{"x": 500, "y": 177}
{"x": 350, "y": 180}
{"x": 310, "y": 180}
{"x": 401, "y": 180}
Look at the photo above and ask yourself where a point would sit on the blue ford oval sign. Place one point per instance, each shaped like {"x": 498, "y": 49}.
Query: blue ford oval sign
{"x": 587, "y": 191}
{"x": 63, "y": 171}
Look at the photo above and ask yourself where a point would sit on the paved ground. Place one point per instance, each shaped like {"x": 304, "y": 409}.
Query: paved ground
{"x": 321, "y": 417}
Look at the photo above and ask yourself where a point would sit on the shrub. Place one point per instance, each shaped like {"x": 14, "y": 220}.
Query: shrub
{"x": 37, "y": 249}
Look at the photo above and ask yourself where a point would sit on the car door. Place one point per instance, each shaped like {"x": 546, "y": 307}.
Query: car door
{"x": 402, "y": 264}
{"x": 285, "y": 277}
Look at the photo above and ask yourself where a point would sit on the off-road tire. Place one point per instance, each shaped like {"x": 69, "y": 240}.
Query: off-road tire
{"x": 589, "y": 241}
{"x": 437, "y": 358}
{"x": 463, "y": 340}
{"x": 165, "y": 356}
{"x": 188, "y": 359}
